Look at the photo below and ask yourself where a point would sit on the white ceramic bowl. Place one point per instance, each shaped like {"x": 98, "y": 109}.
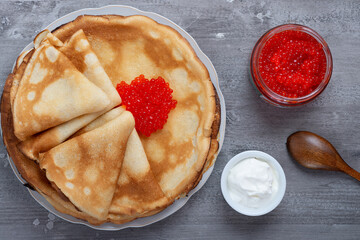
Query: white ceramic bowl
{"x": 275, "y": 201}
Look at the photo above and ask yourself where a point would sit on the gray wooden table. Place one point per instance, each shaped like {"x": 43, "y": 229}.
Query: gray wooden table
{"x": 317, "y": 205}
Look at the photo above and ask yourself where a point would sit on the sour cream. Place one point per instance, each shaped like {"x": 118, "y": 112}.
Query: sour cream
{"x": 252, "y": 183}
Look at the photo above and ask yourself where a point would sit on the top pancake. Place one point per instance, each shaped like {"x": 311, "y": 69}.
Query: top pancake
{"x": 86, "y": 168}
{"x": 137, "y": 192}
{"x": 46, "y": 93}
{"x": 130, "y": 46}
{"x": 77, "y": 49}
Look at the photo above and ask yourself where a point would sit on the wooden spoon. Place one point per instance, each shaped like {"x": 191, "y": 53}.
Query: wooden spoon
{"x": 313, "y": 151}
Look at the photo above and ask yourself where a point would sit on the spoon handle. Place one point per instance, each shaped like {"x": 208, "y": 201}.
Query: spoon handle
{"x": 350, "y": 171}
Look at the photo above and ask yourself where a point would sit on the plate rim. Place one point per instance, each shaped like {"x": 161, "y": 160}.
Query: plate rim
{"x": 214, "y": 79}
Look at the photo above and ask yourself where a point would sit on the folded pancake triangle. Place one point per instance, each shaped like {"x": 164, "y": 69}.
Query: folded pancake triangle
{"x": 79, "y": 52}
{"x": 86, "y": 168}
{"x": 53, "y": 91}
{"x": 137, "y": 190}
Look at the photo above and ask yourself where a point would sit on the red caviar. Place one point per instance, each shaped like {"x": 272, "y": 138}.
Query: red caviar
{"x": 292, "y": 63}
{"x": 150, "y": 102}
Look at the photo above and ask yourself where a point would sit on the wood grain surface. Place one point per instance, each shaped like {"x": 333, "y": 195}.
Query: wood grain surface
{"x": 317, "y": 204}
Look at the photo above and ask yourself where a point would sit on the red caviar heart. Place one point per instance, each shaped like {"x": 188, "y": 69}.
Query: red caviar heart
{"x": 150, "y": 102}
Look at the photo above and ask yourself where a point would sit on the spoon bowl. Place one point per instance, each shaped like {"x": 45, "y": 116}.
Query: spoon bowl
{"x": 315, "y": 152}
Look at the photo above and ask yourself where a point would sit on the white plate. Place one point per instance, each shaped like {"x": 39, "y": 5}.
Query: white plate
{"x": 128, "y": 11}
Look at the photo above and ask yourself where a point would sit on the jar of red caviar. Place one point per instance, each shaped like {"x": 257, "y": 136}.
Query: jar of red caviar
{"x": 290, "y": 65}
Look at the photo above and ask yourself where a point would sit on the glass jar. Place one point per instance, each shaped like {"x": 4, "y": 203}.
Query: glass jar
{"x": 265, "y": 92}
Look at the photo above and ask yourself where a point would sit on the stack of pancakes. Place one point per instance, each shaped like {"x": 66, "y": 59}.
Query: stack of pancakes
{"x": 73, "y": 142}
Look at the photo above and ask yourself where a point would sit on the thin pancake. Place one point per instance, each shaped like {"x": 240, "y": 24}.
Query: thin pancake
{"x": 78, "y": 50}
{"x": 86, "y": 168}
{"x": 46, "y": 93}
{"x": 137, "y": 190}
{"x": 130, "y": 46}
